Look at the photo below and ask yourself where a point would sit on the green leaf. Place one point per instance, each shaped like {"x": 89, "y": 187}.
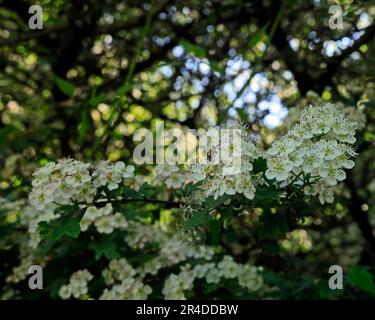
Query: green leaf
{"x": 125, "y": 88}
{"x": 194, "y": 49}
{"x": 243, "y": 114}
{"x": 259, "y": 165}
{"x": 59, "y": 228}
{"x": 65, "y": 86}
{"x": 362, "y": 279}
{"x": 95, "y": 100}
{"x": 200, "y": 218}
{"x": 215, "y": 66}
{"x": 210, "y": 287}
{"x": 299, "y": 205}
{"x": 191, "y": 187}
{"x": 211, "y": 202}
{"x": 258, "y": 36}
{"x": 131, "y": 194}
{"x": 105, "y": 247}
{"x": 227, "y": 215}
{"x": 266, "y": 194}
{"x": 45, "y": 246}
{"x": 147, "y": 190}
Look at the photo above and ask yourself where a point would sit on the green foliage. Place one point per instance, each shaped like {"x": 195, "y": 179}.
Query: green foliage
{"x": 66, "y": 225}
{"x": 65, "y": 86}
{"x": 259, "y": 165}
{"x": 362, "y": 278}
{"x": 198, "y": 219}
{"x": 105, "y": 246}
{"x": 60, "y": 228}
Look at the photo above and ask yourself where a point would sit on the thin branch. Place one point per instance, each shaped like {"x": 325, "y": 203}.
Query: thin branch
{"x": 170, "y": 204}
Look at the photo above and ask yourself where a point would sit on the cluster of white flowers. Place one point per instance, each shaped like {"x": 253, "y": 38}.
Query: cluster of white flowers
{"x": 314, "y": 153}
{"x": 125, "y": 285}
{"x": 62, "y": 182}
{"x": 103, "y": 219}
{"x": 27, "y": 257}
{"x": 173, "y": 252}
{"x": 28, "y": 217}
{"x": 318, "y": 146}
{"x": 124, "y": 281}
{"x": 117, "y": 270}
{"x": 232, "y": 173}
{"x": 247, "y": 276}
{"x": 19, "y": 272}
{"x": 357, "y": 114}
{"x": 139, "y": 234}
{"x": 176, "y": 285}
{"x": 171, "y": 175}
{"x": 111, "y": 174}
{"x": 69, "y": 181}
{"x": 77, "y": 286}
{"x": 128, "y": 289}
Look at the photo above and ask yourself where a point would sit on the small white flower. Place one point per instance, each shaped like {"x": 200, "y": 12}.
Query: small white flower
{"x": 331, "y": 174}
{"x": 278, "y": 168}
{"x": 282, "y": 147}
{"x": 175, "y": 181}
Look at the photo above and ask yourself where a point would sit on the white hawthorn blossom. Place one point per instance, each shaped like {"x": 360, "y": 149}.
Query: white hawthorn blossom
{"x": 232, "y": 175}
{"x": 71, "y": 181}
{"x": 247, "y": 276}
{"x": 77, "y": 286}
{"x": 111, "y": 175}
{"x": 319, "y": 145}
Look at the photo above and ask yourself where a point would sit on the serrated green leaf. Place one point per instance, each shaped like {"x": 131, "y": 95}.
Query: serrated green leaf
{"x": 266, "y": 193}
{"x": 105, "y": 247}
{"x": 211, "y": 202}
{"x": 59, "y": 228}
{"x": 200, "y": 218}
{"x": 191, "y": 187}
